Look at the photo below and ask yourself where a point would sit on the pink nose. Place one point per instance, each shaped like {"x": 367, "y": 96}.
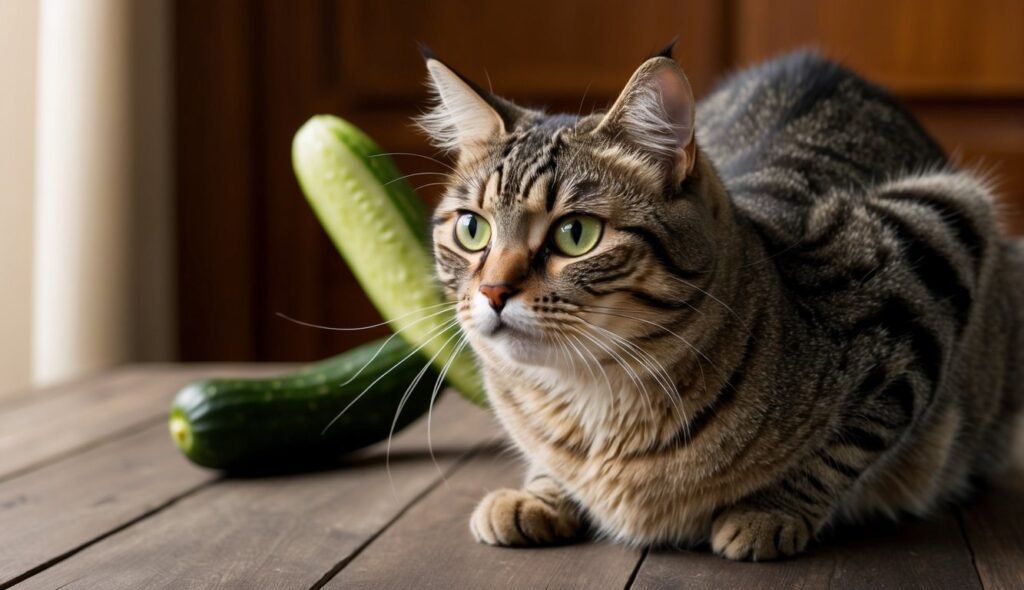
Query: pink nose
{"x": 498, "y": 295}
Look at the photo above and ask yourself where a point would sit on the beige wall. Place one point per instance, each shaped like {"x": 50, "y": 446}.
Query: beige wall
{"x": 86, "y": 216}
{"x": 103, "y": 223}
{"x": 18, "y": 25}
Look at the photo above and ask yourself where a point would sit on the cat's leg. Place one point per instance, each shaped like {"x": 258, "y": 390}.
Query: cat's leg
{"x": 774, "y": 523}
{"x": 779, "y": 520}
{"x": 538, "y": 514}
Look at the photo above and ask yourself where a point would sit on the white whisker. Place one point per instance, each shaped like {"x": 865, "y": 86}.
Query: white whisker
{"x": 405, "y": 398}
{"x": 358, "y": 328}
{"x": 434, "y": 333}
{"x": 433, "y": 396}
{"x": 425, "y": 157}
{"x": 389, "y": 339}
{"x": 394, "y": 180}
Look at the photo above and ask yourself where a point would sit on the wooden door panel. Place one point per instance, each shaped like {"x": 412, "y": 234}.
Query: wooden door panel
{"x": 533, "y": 49}
{"x": 987, "y": 137}
{"x": 920, "y": 48}
{"x": 248, "y": 74}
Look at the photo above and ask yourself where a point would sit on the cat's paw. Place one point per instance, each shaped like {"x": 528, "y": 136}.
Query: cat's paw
{"x": 752, "y": 535}
{"x": 520, "y": 518}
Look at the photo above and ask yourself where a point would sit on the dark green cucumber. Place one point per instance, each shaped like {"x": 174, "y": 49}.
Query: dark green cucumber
{"x": 267, "y": 424}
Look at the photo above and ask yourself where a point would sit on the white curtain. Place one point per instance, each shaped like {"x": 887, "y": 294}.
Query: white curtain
{"x": 103, "y": 289}
{"x": 18, "y": 28}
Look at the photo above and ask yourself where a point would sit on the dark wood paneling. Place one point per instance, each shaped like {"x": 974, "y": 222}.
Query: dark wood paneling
{"x": 214, "y": 132}
{"x": 958, "y": 64}
{"x": 921, "y": 48}
{"x": 986, "y": 136}
{"x": 536, "y": 49}
{"x": 250, "y": 73}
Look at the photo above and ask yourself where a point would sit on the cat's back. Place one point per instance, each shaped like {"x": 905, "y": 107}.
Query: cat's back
{"x": 805, "y": 124}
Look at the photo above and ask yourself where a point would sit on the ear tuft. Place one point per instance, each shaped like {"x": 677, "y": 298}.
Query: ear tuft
{"x": 656, "y": 113}
{"x": 668, "y": 49}
{"x": 425, "y": 51}
{"x": 461, "y": 119}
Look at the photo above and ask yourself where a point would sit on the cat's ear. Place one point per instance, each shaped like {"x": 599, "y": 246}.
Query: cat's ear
{"x": 464, "y": 117}
{"x": 655, "y": 113}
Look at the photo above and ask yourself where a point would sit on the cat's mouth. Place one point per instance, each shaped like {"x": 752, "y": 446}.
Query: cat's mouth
{"x": 501, "y": 328}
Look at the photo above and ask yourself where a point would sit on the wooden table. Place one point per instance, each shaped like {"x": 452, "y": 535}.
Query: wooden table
{"x": 94, "y": 495}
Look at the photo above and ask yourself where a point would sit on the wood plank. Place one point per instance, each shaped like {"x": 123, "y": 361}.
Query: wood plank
{"x": 923, "y": 554}
{"x": 275, "y": 532}
{"x": 914, "y": 47}
{"x": 431, "y": 546}
{"x": 57, "y": 509}
{"x": 994, "y": 525}
{"x": 30, "y": 394}
{"x": 528, "y": 58}
{"x": 986, "y": 137}
{"x": 217, "y": 134}
{"x": 34, "y": 433}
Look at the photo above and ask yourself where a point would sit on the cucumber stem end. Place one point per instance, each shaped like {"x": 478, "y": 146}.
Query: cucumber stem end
{"x": 181, "y": 431}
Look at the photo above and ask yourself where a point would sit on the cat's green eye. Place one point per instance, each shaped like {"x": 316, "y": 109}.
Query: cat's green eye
{"x": 472, "y": 232}
{"x": 576, "y": 235}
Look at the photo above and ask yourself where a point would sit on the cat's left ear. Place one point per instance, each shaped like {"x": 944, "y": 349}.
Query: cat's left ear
{"x": 464, "y": 117}
{"x": 655, "y": 113}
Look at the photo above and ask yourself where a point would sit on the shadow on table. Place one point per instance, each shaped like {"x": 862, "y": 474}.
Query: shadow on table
{"x": 376, "y": 455}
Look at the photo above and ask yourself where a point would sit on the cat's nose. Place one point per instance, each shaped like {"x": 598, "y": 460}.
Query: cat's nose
{"x": 498, "y": 295}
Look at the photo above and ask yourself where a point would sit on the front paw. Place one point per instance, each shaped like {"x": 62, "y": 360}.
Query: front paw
{"x": 519, "y": 518}
{"x": 752, "y": 535}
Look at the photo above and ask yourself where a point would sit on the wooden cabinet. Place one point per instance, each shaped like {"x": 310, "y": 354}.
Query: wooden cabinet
{"x": 248, "y": 74}
{"x": 958, "y": 64}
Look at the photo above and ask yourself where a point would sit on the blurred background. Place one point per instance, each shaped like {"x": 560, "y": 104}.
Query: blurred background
{"x": 148, "y": 210}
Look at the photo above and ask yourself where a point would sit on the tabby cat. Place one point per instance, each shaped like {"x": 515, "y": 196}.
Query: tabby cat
{"x": 736, "y": 322}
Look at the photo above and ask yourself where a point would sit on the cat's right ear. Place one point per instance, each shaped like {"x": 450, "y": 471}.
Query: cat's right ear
{"x": 463, "y": 118}
{"x": 655, "y": 113}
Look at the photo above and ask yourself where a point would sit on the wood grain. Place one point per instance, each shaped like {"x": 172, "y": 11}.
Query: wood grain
{"x": 920, "y": 48}
{"x": 549, "y": 58}
{"x": 928, "y": 554}
{"x": 31, "y": 395}
{"x": 248, "y": 74}
{"x": 431, "y": 547}
{"x": 214, "y": 184}
{"x": 50, "y": 427}
{"x": 986, "y": 137}
{"x": 53, "y": 511}
{"x": 276, "y": 532}
{"x": 994, "y": 525}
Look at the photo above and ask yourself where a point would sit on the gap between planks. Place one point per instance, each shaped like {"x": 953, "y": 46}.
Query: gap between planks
{"x": 90, "y": 412}
{"x": 268, "y": 532}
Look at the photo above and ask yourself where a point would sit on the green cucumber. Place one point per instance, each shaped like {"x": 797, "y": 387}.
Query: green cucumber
{"x": 293, "y": 420}
{"x": 379, "y": 226}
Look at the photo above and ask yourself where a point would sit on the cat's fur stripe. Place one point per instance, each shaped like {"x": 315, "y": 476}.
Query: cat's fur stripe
{"x": 798, "y": 311}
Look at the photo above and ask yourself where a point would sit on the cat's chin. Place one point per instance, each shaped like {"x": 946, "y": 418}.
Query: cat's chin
{"x": 520, "y": 346}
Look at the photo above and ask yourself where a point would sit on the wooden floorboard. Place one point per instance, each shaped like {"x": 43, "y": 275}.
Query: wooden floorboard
{"x": 924, "y": 554}
{"x": 21, "y": 397}
{"x": 994, "y": 525}
{"x": 53, "y": 511}
{"x": 31, "y": 434}
{"x": 94, "y": 495}
{"x": 431, "y": 548}
{"x": 274, "y": 532}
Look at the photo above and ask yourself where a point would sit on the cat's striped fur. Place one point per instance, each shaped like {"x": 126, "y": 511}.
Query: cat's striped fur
{"x": 803, "y": 314}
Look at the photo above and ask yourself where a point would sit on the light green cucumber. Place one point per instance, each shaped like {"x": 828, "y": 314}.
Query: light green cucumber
{"x": 379, "y": 225}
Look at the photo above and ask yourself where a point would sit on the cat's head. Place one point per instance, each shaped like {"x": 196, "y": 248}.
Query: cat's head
{"x": 560, "y": 235}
